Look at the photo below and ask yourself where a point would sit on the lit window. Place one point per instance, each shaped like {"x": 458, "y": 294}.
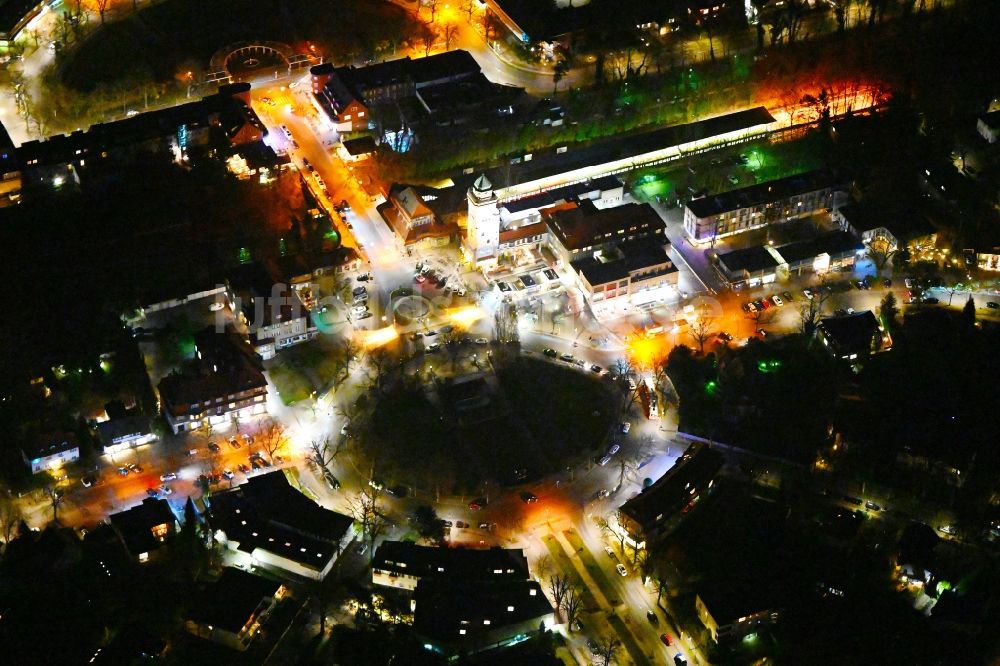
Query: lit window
{"x": 510, "y": 609}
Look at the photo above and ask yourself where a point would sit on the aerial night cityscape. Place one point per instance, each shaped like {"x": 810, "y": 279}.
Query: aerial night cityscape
{"x": 500, "y": 332}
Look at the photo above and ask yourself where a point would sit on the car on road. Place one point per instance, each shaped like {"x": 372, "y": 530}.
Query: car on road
{"x": 228, "y": 473}
{"x": 482, "y": 341}
{"x": 992, "y": 305}
{"x": 604, "y": 460}
{"x": 621, "y": 569}
{"x": 615, "y": 448}
{"x": 626, "y": 426}
{"x": 132, "y": 467}
{"x": 551, "y": 353}
{"x": 749, "y": 307}
{"x": 609, "y": 551}
{"x": 651, "y": 616}
{"x": 665, "y": 638}
{"x": 477, "y": 503}
{"x": 233, "y": 442}
{"x": 364, "y": 277}
{"x": 243, "y": 467}
{"x": 931, "y": 301}
{"x": 764, "y": 304}
{"x": 331, "y": 481}
{"x": 169, "y": 476}
{"x": 777, "y": 300}
{"x": 566, "y": 357}
{"x": 528, "y": 498}
{"x": 872, "y": 506}
{"x": 596, "y": 369}
{"x": 724, "y": 337}
{"x": 213, "y": 447}
{"x": 364, "y": 315}
{"x": 123, "y": 471}
{"x": 680, "y": 660}
{"x": 88, "y": 481}
{"x": 433, "y": 347}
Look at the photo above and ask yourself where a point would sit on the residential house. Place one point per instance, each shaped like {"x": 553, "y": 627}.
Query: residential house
{"x": 223, "y": 383}
{"x": 734, "y": 610}
{"x": 144, "y": 529}
{"x": 660, "y": 507}
{"x": 48, "y": 451}
{"x": 273, "y": 313}
{"x": 232, "y": 609}
{"x": 988, "y": 126}
{"x": 773, "y": 202}
{"x": 127, "y": 432}
{"x": 887, "y": 231}
{"x": 267, "y": 522}
{"x": 461, "y": 617}
{"x": 402, "y": 564}
{"x": 853, "y": 336}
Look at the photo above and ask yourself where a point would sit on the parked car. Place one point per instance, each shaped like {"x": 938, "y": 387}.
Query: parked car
{"x": 609, "y": 551}
{"x": 621, "y": 569}
{"x": 482, "y": 341}
{"x": 666, "y": 639}
{"x": 931, "y": 301}
{"x": 88, "y": 481}
{"x": 626, "y": 426}
{"x": 615, "y": 448}
{"x": 992, "y": 305}
{"x": 166, "y": 490}
{"x": 604, "y": 460}
{"x": 596, "y": 369}
{"x": 551, "y": 353}
{"x": 777, "y": 300}
{"x": 244, "y": 468}
{"x": 651, "y": 616}
{"x": 528, "y": 498}
{"x": 152, "y": 492}
{"x": 169, "y": 476}
{"x": 477, "y": 504}
{"x": 233, "y": 442}
{"x": 123, "y": 471}
{"x": 566, "y": 357}
{"x": 228, "y": 473}
{"x": 134, "y": 468}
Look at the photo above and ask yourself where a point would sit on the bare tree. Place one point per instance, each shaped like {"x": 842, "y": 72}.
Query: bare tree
{"x": 10, "y": 516}
{"x": 271, "y": 437}
{"x": 558, "y": 586}
{"x": 55, "y": 499}
{"x": 608, "y": 650}
{"x": 572, "y": 605}
{"x": 102, "y": 8}
{"x": 427, "y": 38}
{"x": 759, "y": 317}
{"x": 627, "y": 379}
{"x": 432, "y": 5}
{"x": 701, "y": 330}
{"x": 811, "y": 311}
{"x": 450, "y": 32}
{"x": 323, "y": 452}
{"x": 368, "y": 511}
{"x": 880, "y": 251}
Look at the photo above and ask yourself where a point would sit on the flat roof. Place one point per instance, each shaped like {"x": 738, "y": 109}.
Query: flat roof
{"x": 443, "y": 608}
{"x": 229, "y": 602}
{"x": 833, "y": 243}
{"x": 115, "y": 429}
{"x": 404, "y": 557}
{"x": 762, "y": 193}
{"x": 752, "y": 259}
{"x": 561, "y": 194}
{"x": 635, "y": 256}
{"x": 227, "y": 366}
{"x": 903, "y": 223}
{"x": 363, "y": 145}
{"x": 582, "y": 225}
{"x": 696, "y": 467}
{"x": 551, "y": 161}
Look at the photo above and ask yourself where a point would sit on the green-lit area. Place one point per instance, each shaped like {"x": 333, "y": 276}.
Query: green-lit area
{"x": 768, "y": 366}
{"x": 244, "y": 256}
{"x": 332, "y": 236}
{"x": 712, "y": 387}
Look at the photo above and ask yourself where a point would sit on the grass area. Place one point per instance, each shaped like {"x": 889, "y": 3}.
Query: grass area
{"x": 566, "y": 411}
{"x": 292, "y": 385}
{"x": 163, "y": 40}
{"x": 593, "y": 567}
{"x": 564, "y": 564}
{"x": 634, "y": 651}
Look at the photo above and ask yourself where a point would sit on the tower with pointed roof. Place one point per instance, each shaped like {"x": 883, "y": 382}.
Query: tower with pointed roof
{"x": 483, "y": 230}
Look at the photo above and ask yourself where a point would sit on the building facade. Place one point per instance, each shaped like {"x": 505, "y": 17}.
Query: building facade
{"x": 50, "y": 451}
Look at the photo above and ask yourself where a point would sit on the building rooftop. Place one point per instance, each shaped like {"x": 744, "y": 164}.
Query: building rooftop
{"x": 231, "y": 601}
{"x": 465, "y": 611}
{"x": 639, "y": 255}
{"x": 48, "y": 443}
{"x": 901, "y": 223}
{"x": 135, "y": 526}
{"x": 563, "y": 159}
{"x": 363, "y": 145}
{"x": 114, "y": 430}
{"x": 268, "y": 513}
{"x": 750, "y": 259}
{"x": 583, "y": 225}
{"x": 525, "y": 231}
{"x": 762, "y": 193}
{"x": 833, "y": 243}
{"x": 470, "y": 564}
{"x": 851, "y": 333}
{"x": 696, "y": 467}
{"x": 227, "y": 366}
{"x": 562, "y": 194}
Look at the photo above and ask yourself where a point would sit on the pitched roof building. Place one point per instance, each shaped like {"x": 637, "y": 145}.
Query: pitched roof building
{"x": 145, "y": 528}
{"x": 402, "y": 564}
